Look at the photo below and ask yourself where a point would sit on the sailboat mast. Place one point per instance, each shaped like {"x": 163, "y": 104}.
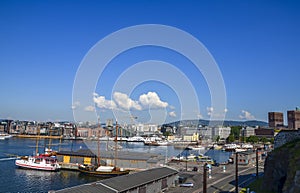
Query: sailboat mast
{"x": 98, "y": 156}
{"x": 50, "y": 139}
{"x": 37, "y": 140}
{"x": 116, "y": 143}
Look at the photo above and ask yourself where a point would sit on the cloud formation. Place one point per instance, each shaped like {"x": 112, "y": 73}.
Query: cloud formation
{"x": 172, "y": 114}
{"x": 101, "y": 102}
{"x": 246, "y": 115}
{"x": 199, "y": 116}
{"x": 123, "y": 102}
{"x": 90, "y": 108}
{"x": 152, "y": 100}
{"x": 75, "y": 105}
{"x": 209, "y": 110}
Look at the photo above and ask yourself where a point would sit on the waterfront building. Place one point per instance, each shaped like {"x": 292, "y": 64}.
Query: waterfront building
{"x": 91, "y": 132}
{"x": 261, "y": 132}
{"x": 248, "y": 131}
{"x": 194, "y": 137}
{"x": 206, "y": 133}
{"x": 294, "y": 119}
{"x": 210, "y": 133}
{"x": 275, "y": 119}
{"x": 69, "y": 129}
{"x": 222, "y": 132}
{"x": 153, "y": 180}
{"x": 5, "y": 125}
{"x": 248, "y": 157}
{"x": 109, "y": 123}
{"x": 124, "y": 159}
{"x": 146, "y": 129}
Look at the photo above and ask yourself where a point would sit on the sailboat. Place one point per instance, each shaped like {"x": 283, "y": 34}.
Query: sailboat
{"x": 45, "y": 162}
{"x": 103, "y": 171}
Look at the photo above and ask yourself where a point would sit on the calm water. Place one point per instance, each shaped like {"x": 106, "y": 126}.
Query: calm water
{"x": 14, "y": 179}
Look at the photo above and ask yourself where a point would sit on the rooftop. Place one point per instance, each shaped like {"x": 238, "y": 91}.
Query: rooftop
{"x": 123, "y": 183}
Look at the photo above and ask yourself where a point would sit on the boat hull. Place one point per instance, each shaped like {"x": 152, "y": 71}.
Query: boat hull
{"x": 36, "y": 166}
{"x": 103, "y": 174}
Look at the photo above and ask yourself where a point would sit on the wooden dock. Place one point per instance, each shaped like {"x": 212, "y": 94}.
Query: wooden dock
{"x": 39, "y": 136}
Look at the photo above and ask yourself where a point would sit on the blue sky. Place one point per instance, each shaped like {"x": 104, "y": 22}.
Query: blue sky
{"x": 255, "y": 44}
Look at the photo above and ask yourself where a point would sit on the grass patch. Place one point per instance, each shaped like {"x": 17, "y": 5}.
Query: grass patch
{"x": 256, "y": 187}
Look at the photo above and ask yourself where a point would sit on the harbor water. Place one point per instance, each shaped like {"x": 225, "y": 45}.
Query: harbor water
{"x": 14, "y": 179}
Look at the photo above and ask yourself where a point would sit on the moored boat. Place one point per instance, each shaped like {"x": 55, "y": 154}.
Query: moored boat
{"x": 41, "y": 162}
{"x": 4, "y": 136}
{"x": 136, "y": 139}
{"x": 102, "y": 171}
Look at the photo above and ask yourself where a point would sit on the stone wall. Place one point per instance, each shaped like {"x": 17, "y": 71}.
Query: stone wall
{"x": 286, "y": 136}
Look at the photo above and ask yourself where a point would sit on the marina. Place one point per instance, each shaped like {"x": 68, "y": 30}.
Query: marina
{"x": 28, "y": 180}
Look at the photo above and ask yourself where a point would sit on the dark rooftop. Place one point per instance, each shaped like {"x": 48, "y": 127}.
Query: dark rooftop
{"x": 123, "y": 183}
{"x": 122, "y": 155}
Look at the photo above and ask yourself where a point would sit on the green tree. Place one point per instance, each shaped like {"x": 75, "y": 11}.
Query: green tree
{"x": 231, "y": 138}
{"x": 167, "y": 133}
{"x": 235, "y": 130}
{"x": 264, "y": 140}
{"x": 252, "y": 139}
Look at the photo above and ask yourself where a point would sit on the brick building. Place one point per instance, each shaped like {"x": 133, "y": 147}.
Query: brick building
{"x": 275, "y": 119}
{"x": 294, "y": 119}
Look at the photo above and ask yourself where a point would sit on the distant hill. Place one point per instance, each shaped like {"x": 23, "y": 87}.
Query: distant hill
{"x": 195, "y": 122}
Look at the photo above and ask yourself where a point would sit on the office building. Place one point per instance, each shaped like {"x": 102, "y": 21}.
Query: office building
{"x": 294, "y": 119}
{"x": 275, "y": 119}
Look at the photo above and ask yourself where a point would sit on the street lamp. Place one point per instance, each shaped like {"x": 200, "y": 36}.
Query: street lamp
{"x": 256, "y": 152}
{"x": 204, "y": 177}
{"x": 236, "y": 173}
{"x": 186, "y": 157}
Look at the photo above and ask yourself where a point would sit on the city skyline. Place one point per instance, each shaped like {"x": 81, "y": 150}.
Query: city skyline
{"x": 255, "y": 45}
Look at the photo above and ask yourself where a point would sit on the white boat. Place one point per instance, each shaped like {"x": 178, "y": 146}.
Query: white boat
{"x": 4, "y": 136}
{"x": 231, "y": 147}
{"x": 196, "y": 147}
{"x": 240, "y": 150}
{"x": 41, "y": 162}
{"x": 247, "y": 146}
{"x": 162, "y": 143}
{"x": 136, "y": 139}
{"x": 45, "y": 162}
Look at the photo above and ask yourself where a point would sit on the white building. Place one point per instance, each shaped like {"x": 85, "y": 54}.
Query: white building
{"x": 205, "y": 132}
{"x": 223, "y": 132}
{"x": 248, "y": 131}
{"x": 147, "y": 128}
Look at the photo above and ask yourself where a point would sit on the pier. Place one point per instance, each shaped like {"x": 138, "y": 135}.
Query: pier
{"x": 39, "y": 136}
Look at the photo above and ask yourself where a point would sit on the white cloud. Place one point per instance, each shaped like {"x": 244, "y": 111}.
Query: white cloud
{"x": 171, "y": 107}
{"x": 209, "y": 110}
{"x": 199, "y": 116}
{"x": 103, "y": 103}
{"x": 246, "y": 115}
{"x": 89, "y": 108}
{"x": 152, "y": 100}
{"x": 75, "y": 105}
{"x": 172, "y": 114}
{"x": 123, "y": 101}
